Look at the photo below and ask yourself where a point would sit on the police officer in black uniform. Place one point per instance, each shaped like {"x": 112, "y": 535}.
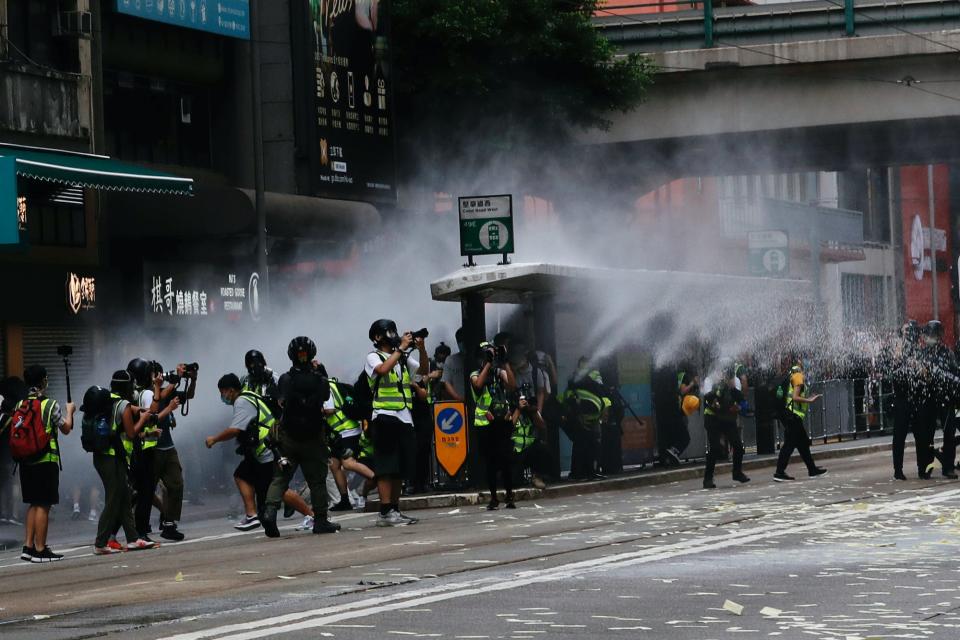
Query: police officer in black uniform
{"x": 902, "y": 362}
{"x": 941, "y": 376}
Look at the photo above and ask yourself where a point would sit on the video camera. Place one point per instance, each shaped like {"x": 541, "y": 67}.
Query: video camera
{"x": 495, "y": 354}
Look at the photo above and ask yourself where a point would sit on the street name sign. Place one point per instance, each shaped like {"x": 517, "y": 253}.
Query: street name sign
{"x": 486, "y": 225}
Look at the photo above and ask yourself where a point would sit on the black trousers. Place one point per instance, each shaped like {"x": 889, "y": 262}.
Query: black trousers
{"x": 676, "y": 435}
{"x": 794, "y": 438}
{"x": 418, "y": 475}
{"x": 586, "y": 448}
{"x": 536, "y": 457}
{"x": 145, "y": 482}
{"x": 720, "y": 435}
{"x": 496, "y": 447}
{"x": 931, "y": 416}
{"x": 904, "y": 421}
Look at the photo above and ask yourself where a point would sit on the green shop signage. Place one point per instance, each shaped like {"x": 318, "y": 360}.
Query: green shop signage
{"x": 486, "y": 225}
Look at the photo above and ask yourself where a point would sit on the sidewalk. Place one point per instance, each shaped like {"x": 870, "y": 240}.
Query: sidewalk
{"x": 643, "y": 477}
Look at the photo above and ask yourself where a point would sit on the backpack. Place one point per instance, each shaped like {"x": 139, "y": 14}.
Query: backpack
{"x": 29, "y": 439}
{"x": 363, "y": 394}
{"x": 779, "y": 394}
{"x": 350, "y": 407}
{"x": 304, "y": 393}
{"x": 96, "y": 428}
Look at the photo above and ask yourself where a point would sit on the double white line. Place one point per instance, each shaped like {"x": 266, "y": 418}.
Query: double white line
{"x": 390, "y": 602}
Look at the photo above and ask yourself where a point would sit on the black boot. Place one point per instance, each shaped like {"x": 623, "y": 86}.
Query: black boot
{"x": 269, "y": 521}
{"x": 322, "y": 525}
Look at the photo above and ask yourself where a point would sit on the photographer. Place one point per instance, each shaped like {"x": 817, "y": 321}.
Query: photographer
{"x": 453, "y": 374}
{"x": 529, "y": 430}
{"x": 418, "y": 474}
{"x": 586, "y": 404}
{"x": 260, "y": 378}
{"x": 164, "y": 459}
{"x": 252, "y": 424}
{"x": 127, "y": 421}
{"x": 344, "y": 435}
{"x": 722, "y": 408}
{"x": 301, "y": 436}
{"x": 391, "y": 429}
{"x": 491, "y": 386}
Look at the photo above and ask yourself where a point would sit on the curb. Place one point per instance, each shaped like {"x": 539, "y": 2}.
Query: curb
{"x": 626, "y": 481}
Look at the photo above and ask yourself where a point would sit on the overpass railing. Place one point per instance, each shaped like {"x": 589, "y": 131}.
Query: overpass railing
{"x": 670, "y": 25}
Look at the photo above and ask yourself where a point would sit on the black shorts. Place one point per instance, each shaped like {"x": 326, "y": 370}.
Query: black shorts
{"x": 258, "y": 474}
{"x": 342, "y": 448}
{"x": 40, "y": 483}
{"x": 394, "y": 446}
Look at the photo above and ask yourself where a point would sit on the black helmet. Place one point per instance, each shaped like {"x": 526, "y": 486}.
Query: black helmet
{"x": 301, "y": 350}
{"x": 140, "y": 370}
{"x": 254, "y": 360}
{"x": 122, "y": 384}
{"x": 96, "y": 401}
{"x": 381, "y": 328}
{"x": 933, "y": 329}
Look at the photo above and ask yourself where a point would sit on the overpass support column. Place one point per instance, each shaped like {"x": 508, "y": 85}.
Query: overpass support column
{"x": 849, "y": 19}
{"x": 708, "y": 23}
{"x": 473, "y": 313}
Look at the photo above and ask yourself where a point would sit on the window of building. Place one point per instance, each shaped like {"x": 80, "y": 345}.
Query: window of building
{"x": 863, "y": 300}
{"x": 55, "y": 215}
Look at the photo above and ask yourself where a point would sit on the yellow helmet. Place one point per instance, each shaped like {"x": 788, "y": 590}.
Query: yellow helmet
{"x": 690, "y": 405}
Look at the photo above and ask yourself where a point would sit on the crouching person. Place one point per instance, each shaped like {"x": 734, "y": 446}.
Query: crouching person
{"x": 529, "y": 451}
{"x": 252, "y": 424}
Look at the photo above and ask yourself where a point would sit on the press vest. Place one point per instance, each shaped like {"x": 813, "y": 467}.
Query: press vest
{"x": 797, "y": 408}
{"x": 52, "y": 453}
{"x": 119, "y": 406}
{"x": 265, "y": 420}
{"x": 391, "y": 392}
{"x": 482, "y": 402}
{"x": 339, "y": 422}
{"x": 151, "y": 434}
{"x": 524, "y": 434}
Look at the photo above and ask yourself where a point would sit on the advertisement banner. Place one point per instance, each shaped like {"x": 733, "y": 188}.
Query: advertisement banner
{"x": 175, "y": 294}
{"x": 224, "y": 17}
{"x": 347, "y": 96}
{"x": 450, "y": 435}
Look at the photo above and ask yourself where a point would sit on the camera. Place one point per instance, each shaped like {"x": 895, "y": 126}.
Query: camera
{"x": 423, "y": 334}
{"x": 525, "y": 392}
{"x": 172, "y": 377}
{"x": 495, "y": 354}
{"x": 192, "y": 369}
{"x": 64, "y": 351}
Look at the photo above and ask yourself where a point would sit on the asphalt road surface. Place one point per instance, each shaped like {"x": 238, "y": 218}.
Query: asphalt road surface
{"x": 850, "y": 555}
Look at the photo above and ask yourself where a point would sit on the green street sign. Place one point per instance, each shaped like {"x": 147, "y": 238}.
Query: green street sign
{"x": 769, "y": 253}
{"x": 486, "y": 225}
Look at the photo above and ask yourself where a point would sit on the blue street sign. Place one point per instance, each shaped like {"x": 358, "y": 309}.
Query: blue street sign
{"x": 450, "y": 421}
{"x": 223, "y": 17}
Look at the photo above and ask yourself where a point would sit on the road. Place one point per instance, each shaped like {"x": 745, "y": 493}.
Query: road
{"x": 854, "y": 554}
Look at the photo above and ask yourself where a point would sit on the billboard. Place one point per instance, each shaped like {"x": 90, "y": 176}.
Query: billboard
{"x": 223, "y": 17}
{"x": 175, "y": 294}
{"x": 342, "y": 54}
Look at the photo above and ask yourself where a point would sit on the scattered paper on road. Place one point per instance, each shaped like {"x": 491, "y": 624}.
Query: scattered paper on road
{"x": 733, "y": 607}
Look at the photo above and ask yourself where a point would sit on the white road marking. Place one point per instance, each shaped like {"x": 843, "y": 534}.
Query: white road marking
{"x": 313, "y": 618}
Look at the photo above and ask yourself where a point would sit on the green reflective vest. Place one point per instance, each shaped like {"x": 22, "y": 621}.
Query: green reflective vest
{"x": 484, "y": 401}
{"x": 265, "y": 420}
{"x": 119, "y": 407}
{"x": 797, "y": 408}
{"x": 339, "y": 422}
{"x": 46, "y": 415}
{"x": 391, "y": 392}
{"x": 366, "y": 446}
{"x": 524, "y": 434}
{"x": 151, "y": 433}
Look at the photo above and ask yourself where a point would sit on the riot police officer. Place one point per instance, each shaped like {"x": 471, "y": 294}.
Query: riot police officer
{"x": 941, "y": 375}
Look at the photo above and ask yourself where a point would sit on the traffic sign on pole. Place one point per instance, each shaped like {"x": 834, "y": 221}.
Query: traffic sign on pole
{"x": 769, "y": 253}
{"x": 486, "y": 225}
{"x": 450, "y": 435}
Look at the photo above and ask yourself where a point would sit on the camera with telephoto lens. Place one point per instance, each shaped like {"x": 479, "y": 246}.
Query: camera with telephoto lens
{"x": 172, "y": 377}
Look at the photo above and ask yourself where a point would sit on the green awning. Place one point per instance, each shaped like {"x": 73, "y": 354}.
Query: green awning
{"x": 92, "y": 171}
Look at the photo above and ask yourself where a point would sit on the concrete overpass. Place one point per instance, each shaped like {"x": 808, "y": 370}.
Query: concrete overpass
{"x": 788, "y": 87}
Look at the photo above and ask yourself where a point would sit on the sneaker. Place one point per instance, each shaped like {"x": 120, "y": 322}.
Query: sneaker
{"x": 708, "y": 484}
{"x": 741, "y": 477}
{"x": 818, "y": 471}
{"x": 672, "y": 455}
{"x": 360, "y": 504}
{"x": 47, "y": 555}
{"x": 105, "y": 551}
{"x": 493, "y": 505}
{"x": 408, "y": 518}
{"x": 142, "y": 543}
{"x": 538, "y": 483}
{"x": 269, "y": 522}
{"x": 307, "y": 523}
{"x": 113, "y": 544}
{"x": 247, "y": 523}
{"x": 76, "y": 514}
{"x": 391, "y": 519}
{"x": 28, "y": 553}
{"x": 93, "y": 516}
{"x": 169, "y": 531}
{"x": 343, "y": 505}
{"x": 325, "y": 526}
{"x": 780, "y": 476}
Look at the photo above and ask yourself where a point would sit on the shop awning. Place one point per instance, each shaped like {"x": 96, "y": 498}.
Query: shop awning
{"x": 92, "y": 171}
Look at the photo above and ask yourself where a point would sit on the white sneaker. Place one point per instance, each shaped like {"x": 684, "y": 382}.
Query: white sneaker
{"x": 408, "y": 518}
{"x": 247, "y": 523}
{"x": 93, "y": 516}
{"x": 360, "y": 503}
{"x": 392, "y": 519}
{"x": 307, "y": 523}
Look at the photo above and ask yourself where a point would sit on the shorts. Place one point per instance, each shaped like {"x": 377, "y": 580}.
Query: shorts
{"x": 394, "y": 446}
{"x": 343, "y": 448}
{"x": 258, "y": 474}
{"x": 40, "y": 483}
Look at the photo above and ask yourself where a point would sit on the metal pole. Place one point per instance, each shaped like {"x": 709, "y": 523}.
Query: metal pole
{"x": 933, "y": 249}
{"x": 848, "y": 18}
{"x": 259, "y": 188}
{"x": 708, "y": 23}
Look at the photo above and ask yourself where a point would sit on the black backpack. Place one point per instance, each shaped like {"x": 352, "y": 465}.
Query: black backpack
{"x": 779, "y": 393}
{"x": 362, "y": 396}
{"x": 350, "y": 407}
{"x": 96, "y": 428}
{"x": 304, "y": 392}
